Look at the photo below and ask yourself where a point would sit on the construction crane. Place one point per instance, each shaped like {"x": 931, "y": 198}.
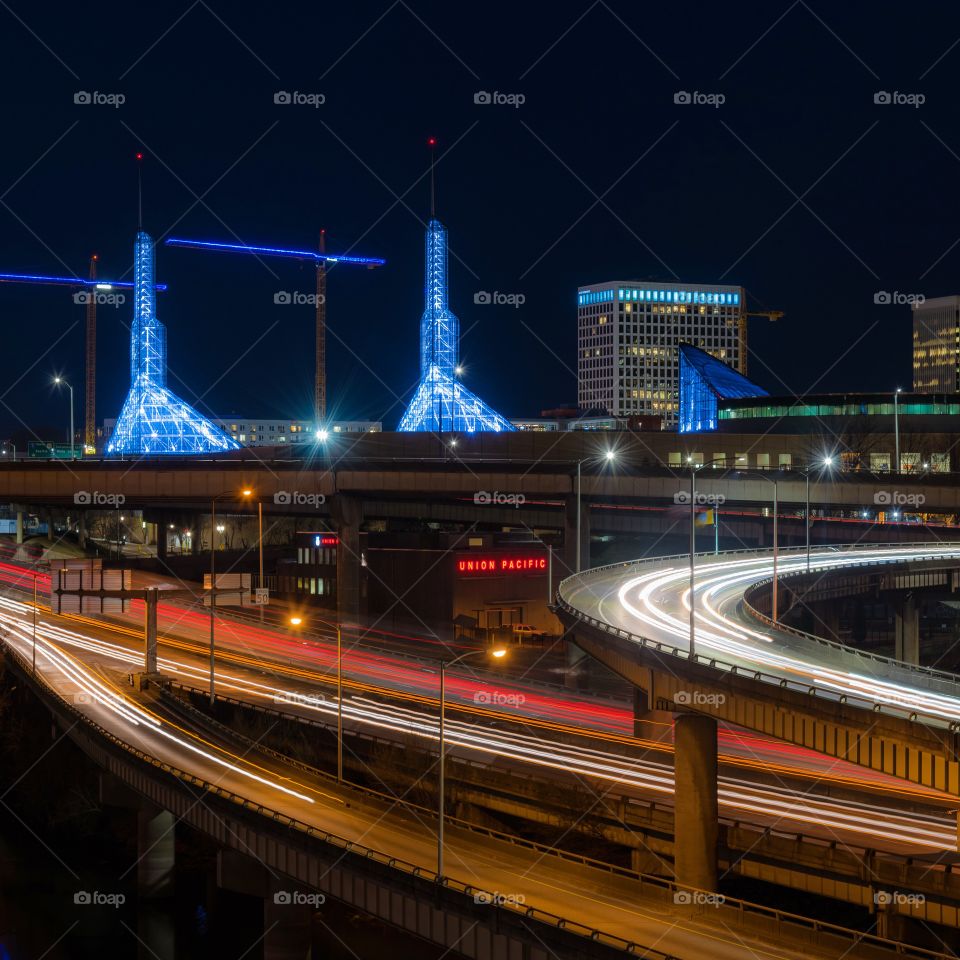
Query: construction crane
{"x": 92, "y": 287}
{"x": 320, "y": 258}
{"x": 771, "y": 315}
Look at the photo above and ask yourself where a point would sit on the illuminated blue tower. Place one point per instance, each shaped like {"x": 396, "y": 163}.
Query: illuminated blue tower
{"x": 441, "y": 403}
{"x": 153, "y": 419}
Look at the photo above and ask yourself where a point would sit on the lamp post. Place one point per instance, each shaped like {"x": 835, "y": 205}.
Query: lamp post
{"x": 499, "y": 652}
{"x": 896, "y": 428}
{"x": 826, "y": 463}
{"x": 58, "y": 381}
{"x": 774, "y": 481}
{"x": 213, "y": 580}
{"x": 34, "y": 621}
{"x": 609, "y": 456}
{"x": 296, "y": 621}
{"x": 693, "y": 537}
{"x": 260, "y": 545}
{"x": 13, "y": 448}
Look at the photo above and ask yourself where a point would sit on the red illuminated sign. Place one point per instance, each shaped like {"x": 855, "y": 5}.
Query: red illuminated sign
{"x": 326, "y": 541}
{"x": 493, "y": 565}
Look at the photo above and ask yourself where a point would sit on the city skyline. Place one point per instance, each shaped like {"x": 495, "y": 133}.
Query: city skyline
{"x": 277, "y": 172}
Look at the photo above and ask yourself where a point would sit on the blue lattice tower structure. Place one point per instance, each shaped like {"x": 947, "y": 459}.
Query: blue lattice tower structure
{"x": 154, "y": 420}
{"x": 703, "y": 381}
{"x": 441, "y": 403}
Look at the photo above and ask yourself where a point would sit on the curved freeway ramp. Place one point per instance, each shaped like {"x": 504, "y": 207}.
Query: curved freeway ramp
{"x": 874, "y": 711}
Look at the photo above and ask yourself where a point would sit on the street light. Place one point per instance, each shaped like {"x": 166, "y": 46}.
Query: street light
{"x": 774, "y": 481}
{"x": 498, "y": 653}
{"x": 609, "y": 456}
{"x": 896, "y": 427}
{"x": 13, "y": 448}
{"x": 58, "y": 381}
{"x": 213, "y": 579}
{"x": 693, "y": 534}
{"x": 825, "y": 463}
{"x": 295, "y": 621}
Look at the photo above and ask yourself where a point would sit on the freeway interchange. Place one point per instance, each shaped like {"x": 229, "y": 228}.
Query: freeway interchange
{"x": 555, "y": 733}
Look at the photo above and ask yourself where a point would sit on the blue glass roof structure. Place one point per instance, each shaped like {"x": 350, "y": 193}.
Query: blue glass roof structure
{"x": 441, "y": 403}
{"x": 703, "y": 381}
{"x": 154, "y": 420}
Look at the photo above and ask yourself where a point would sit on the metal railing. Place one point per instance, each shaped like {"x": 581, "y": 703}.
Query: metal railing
{"x": 714, "y": 663}
{"x": 742, "y": 908}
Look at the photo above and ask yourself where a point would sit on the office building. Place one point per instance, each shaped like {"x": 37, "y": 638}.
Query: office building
{"x": 936, "y": 345}
{"x": 627, "y": 338}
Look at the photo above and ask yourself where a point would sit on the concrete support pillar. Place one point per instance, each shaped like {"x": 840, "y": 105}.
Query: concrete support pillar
{"x": 19, "y": 526}
{"x": 163, "y": 539}
{"x": 150, "y": 631}
{"x": 570, "y": 533}
{"x": 576, "y": 663}
{"x": 288, "y": 924}
{"x": 155, "y": 852}
{"x": 347, "y": 514}
{"x": 641, "y": 710}
{"x": 696, "y": 829}
{"x": 907, "y": 630}
{"x": 827, "y": 622}
{"x": 82, "y": 530}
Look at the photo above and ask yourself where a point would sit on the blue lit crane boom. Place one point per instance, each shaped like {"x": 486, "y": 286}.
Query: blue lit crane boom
{"x": 90, "y": 379}
{"x": 320, "y": 258}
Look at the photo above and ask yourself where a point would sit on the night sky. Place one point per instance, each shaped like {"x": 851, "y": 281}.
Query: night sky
{"x": 799, "y": 186}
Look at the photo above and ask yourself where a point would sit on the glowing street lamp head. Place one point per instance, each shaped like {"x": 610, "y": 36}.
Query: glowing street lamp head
{"x": 499, "y": 653}
{"x": 295, "y": 621}
{"x": 247, "y": 492}
{"x": 610, "y": 455}
{"x": 323, "y": 435}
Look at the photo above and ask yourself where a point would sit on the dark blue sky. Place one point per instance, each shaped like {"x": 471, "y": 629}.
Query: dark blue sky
{"x": 800, "y": 186}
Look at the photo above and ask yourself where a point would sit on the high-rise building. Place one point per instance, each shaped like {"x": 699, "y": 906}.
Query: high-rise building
{"x": 627, "y": 336}
{"x": 936, "y": 345}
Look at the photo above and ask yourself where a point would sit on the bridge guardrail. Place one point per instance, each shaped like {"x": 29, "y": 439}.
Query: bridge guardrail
{"x": 662, "y": 884}
{"x": 779, "y": 918}
{"x": 48, "y": 693}
{"x": 875, "y": 706}
{"x": 931, "y": 672}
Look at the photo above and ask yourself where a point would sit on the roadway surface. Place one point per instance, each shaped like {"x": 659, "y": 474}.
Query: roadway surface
{"x": 652, "y": 602}
{"x": 571, "y": 739}
{"x": 617, "y": 905}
